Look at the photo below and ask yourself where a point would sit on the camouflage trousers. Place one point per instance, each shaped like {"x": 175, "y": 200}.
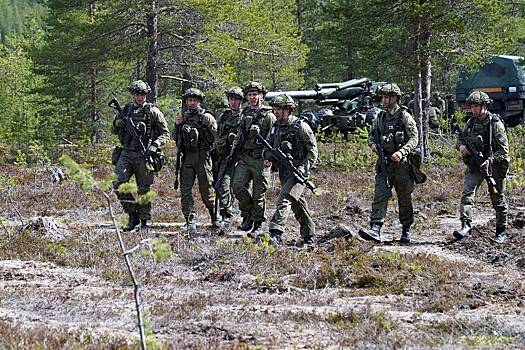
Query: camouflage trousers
{"x": 400, "y": 178}
{"x": 471, "y": 182}
{"x": 225, "y": 197}
{"x": 196, "y": 165}
{"x": 250, "y": 169}
{"x": 132, "y": 163}
{"x": 291, "y": 197}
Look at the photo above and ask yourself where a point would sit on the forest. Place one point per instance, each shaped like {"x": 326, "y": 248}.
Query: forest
{"x": 71, "y": 279}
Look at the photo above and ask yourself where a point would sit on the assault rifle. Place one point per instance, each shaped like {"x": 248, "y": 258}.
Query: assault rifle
{"x": 152, "y": 164}
{"x": 383, "y": 159}
{"x": 476, "y": 159}
{"x": 232, "y": 155}
{"x": 178, "y": 156}
{"x": 284, "y": 159}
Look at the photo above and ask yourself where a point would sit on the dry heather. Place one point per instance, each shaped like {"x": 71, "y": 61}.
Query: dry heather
{"x": 227, "y": 292}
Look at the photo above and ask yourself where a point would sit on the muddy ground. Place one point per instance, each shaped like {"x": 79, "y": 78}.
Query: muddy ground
{"x": 64, "y": 284}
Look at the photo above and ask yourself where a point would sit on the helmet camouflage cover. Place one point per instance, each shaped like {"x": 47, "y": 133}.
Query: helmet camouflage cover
{"x": 478, "y": 97}
{"x": 139, "y": 86}
{"x": 193, "y": 92}
{"x": 283, "y": 100}
{"x": 254, "y": 86}
{"x": 389, "y": 89}
{"x": 235, "y": 92}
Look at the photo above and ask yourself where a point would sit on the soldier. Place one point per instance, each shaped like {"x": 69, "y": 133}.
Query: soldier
{"x": 295, "y": 138}
{"x": 227, "y": 129}
{"x": 398, "y": 137}
{"x": 487, "y": 133}
{"x": 195, "y": 133}
{"x": 150, "y": 125}
{"x": 256, "y": 118}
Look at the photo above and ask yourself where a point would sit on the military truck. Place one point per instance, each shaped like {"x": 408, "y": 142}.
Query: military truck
{"x": 503, "y": 79}
{"x": 346, "y": 106}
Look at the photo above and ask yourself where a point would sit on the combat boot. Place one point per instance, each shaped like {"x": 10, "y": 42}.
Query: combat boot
{"x": 256, "y": 225}
{"x": 143, "y": 224}
{"x": 275, "y": 237}
{"x": 191, "y": 224}
{"x": 214, "y": 222}
{"x": 500, "y": 236}
{"x": 133, "y": 221}
{"x": 246, "y": 224}
{"x": 463, "y": 231}
{"x": 373, "y": 234}
{"x": 405, "y": 235}
{"x": 226, "y": 220}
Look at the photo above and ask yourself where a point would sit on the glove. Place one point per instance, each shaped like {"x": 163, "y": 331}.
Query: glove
{"x": 119, "y": 123}
{"x": 286, "y": 147}
{"x": 231, "y": 137}
{"x": 254, "y": 130}
{"x": 152, "y": 148}
{"x": 141, "y": 127}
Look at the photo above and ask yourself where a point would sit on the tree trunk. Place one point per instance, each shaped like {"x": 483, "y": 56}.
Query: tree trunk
{"x": 95, "y": 137}
{"x": 153, "y": 50}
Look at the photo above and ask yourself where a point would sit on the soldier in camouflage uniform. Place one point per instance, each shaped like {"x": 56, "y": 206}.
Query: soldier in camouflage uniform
{"x": 256, "y": 118}
{"x": 227, "y": 129}
{"x": 151, "y": 126}
{"x": 295, "y": 138}
{"x": 399, "y": 138}
{"x": 487, "y": 133}
{"x": 196, "y": 129}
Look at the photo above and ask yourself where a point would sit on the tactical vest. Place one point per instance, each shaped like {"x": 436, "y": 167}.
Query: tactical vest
{"x": 137, "y": 115}
{"x": 480, "y": 133}
{"x": 280, "y": 134}
{"x": 392, "y": 132}
{"x": 195, "y": 135}
{"x": 228, "y": 123}
{"x": 253, "y": 117}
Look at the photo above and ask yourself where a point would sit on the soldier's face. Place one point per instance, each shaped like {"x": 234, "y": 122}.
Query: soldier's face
{"x": 235, "y": 103}
{"x": 253, "y": 98}
{"x": 388, "y": 101}
{"x": 139, "y": 98}
{"x": 478, "y": 110}
{"x": 281, "y": 114}
{"x": 193, "y": 102}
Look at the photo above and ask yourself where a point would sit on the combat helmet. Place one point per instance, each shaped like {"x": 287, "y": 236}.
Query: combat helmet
{"x": 478, "y": 97}
{"x": 139, "y": 86}
{"x": 193, "y": 92}
{"x": 254, "y": 86}
{"x": 390, "y": 89}
{"x": 283, "y": 100}
{"x": 235, "y": 92}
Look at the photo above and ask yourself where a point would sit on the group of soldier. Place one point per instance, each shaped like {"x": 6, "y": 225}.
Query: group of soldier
{"x": 249, "y": 143}
{"x": 248, "y": 175}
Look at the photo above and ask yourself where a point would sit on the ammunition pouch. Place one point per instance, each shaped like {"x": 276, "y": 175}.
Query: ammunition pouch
{"x": 115, "y": 154}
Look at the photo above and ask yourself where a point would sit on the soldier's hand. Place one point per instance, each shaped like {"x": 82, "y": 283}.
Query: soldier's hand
{"x": 464, "y": 151}
{"x": 231, "y": 137}
{"x": 254, "y": 130}
{"x": 179, "y": 120}
{"x": 373, "y": 147}
{"x": 119, "y": 123}
{"x": 485, "y": 165}
{"x": 152, "y": 149}
{"x": 396, "y": 157}
{"x": 266, "y": 164}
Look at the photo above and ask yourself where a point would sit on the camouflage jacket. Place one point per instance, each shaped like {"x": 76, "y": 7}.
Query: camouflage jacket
{"x": 398, "y": 131}
{"x": 155, "y": 131}
{"x": 300, "y": 138}
{"x": 491, "y": 141}
{"x": 262, "y": 117}
{"x": 197, "y": 132}
{"x": 228, "y": 123}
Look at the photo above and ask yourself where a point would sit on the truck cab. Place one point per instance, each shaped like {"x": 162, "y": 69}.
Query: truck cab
{"x": 503, "y": 79}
